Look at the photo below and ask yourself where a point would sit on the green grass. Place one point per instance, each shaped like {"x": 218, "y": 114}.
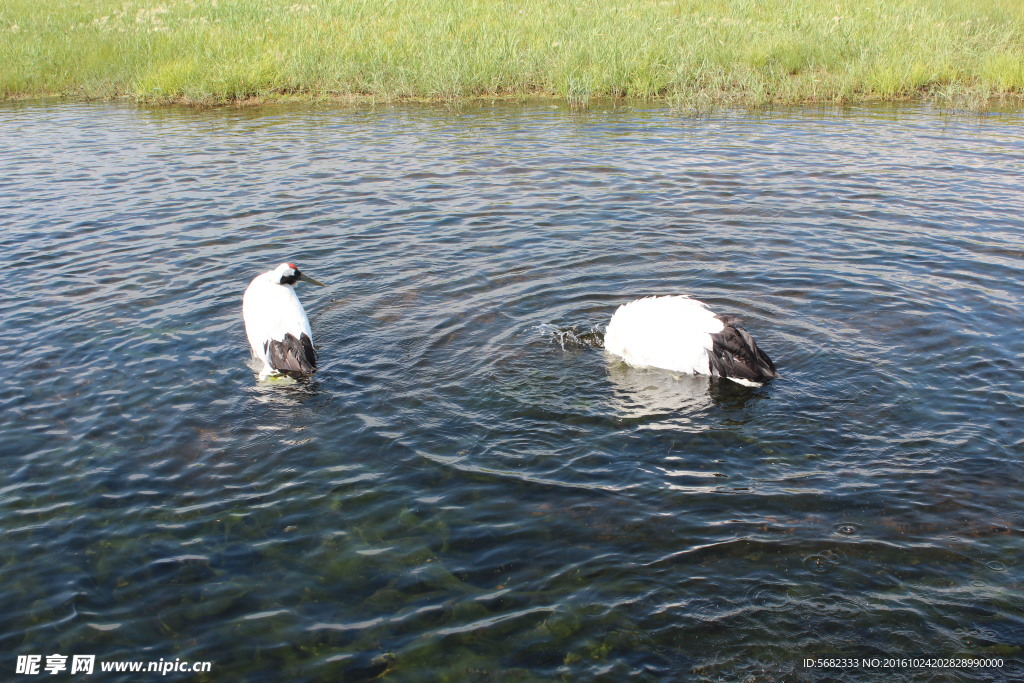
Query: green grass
{"x": 692, "y": 52}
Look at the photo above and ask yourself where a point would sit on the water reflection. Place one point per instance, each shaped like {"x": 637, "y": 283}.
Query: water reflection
{"x": 679, "y": 401}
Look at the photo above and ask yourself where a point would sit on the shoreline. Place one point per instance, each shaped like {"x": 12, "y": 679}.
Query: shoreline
{"x": 978, "y": 101}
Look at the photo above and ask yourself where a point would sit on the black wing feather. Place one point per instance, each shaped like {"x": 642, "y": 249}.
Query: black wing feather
{"x": 292, "y": 355}
{"x": 734, "y": 353}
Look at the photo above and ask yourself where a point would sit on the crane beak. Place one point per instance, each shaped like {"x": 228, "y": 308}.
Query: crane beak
{"x": 306, "y": 278}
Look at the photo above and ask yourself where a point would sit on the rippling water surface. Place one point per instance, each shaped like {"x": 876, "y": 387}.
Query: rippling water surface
{"x": 464, "y": 491}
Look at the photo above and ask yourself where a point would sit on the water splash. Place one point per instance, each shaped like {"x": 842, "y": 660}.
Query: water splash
{"x": 574, "y": 337}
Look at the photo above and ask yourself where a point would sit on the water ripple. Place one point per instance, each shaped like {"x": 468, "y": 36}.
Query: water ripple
{"x": 470, "y": 485}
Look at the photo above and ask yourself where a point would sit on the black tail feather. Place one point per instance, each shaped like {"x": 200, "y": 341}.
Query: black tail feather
{"x": 292, "y": 355}
{"x": 735, "y": 354}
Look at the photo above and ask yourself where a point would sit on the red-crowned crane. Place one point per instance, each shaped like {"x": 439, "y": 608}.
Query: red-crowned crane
{"x": 276, "y": 324}
{"x": 683, "y": 335}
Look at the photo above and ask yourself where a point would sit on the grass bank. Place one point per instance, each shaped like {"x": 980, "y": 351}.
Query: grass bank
{"x": 693, "y": 52}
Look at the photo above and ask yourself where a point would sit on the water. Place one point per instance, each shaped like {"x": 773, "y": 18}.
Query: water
{"x": 465, "y": 491}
